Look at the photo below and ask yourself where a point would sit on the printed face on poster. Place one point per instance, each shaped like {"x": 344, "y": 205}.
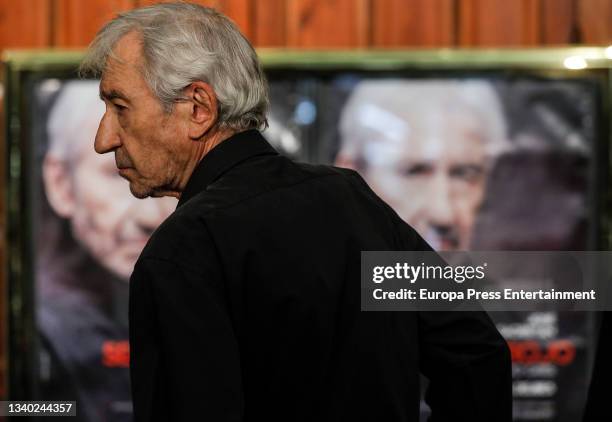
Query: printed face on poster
{"x": 488, "y": 164}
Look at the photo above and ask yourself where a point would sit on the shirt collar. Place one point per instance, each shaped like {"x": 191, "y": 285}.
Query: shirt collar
{"x": 223, "y": 157}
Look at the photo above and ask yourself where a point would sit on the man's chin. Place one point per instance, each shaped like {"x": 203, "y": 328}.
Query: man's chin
{"x": 139, "y": 191}
{"x": 442, "y": 243}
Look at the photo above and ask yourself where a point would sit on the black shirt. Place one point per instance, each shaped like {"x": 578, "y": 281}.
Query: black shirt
{"x": 245, "y": 305}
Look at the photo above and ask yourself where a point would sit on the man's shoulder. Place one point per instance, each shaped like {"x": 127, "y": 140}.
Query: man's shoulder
{"x": 233, "y": 205}
{"x": 183, "y": 234}
{"x": 281, "y": 195}
{"x": 261, "y": 181}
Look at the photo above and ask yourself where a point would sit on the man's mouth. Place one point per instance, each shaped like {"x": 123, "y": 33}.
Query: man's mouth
{"x": 442, "y": 241}
{"x": 123, "y": 171}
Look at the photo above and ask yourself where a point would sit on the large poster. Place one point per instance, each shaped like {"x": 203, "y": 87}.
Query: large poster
{"x": 488, "y": 164}
{"x": 472, "y": 163}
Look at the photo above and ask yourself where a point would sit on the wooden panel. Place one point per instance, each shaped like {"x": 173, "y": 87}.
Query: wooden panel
{"x": 493, "y": 23}
{"x": 270, "y": 23}
{"x": 77, "y": 22}
{"x": 558, "y": 22}
{"x": 328, "y": 23}
{"x": 210, "y": 3}
{"x": 595, "y": 17}
{"x": 25, "y": 23}
{"x": 240, "y": 11}
{"x": 423, "y": 23}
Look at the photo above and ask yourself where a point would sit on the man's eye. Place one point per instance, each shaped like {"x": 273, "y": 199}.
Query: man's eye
{"x": 120, "y": 107}
{"x": 417, "y": 169}
{"x": 469, "y": 173}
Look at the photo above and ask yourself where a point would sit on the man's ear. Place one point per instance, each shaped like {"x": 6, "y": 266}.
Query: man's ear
{"x": 58, "y": 186}
{"x": 203, "y": 113}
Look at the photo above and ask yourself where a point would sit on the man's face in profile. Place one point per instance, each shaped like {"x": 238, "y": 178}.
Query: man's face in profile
{"x": 146, "y": 141}
{"x": 430, "y": 167}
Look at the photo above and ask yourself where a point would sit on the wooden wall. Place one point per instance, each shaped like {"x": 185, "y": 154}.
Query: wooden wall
{"x": 336, "y": 23}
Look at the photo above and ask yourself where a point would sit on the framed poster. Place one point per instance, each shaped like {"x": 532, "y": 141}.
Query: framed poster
{"x": 478, "y": 150}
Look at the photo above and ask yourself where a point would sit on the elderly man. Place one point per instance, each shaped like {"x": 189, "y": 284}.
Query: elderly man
{"x": 245, "y": 303}
{"x": 426, "y": 148}
{"x": 84, "y": 260}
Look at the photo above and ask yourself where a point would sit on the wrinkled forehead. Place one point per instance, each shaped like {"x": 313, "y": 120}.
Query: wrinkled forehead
{"x": 421, "y": 102}
{"x": 393, "y": 122}
{"x": 124, "y": 61}
{"x": 126, "y": 52}
{"x": 400, "y": 121}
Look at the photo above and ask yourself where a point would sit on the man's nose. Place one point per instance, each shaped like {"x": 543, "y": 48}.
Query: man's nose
{"x": 107, "y": 138}
{"x": 440, "y": 206}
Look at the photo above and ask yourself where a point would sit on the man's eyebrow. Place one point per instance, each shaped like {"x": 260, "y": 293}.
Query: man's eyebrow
{"x": 113, "y": 94}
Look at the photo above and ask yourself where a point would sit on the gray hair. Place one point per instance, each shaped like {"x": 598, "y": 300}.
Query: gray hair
{"x": 184, "y": 43}
{"x": 375, "y": 102}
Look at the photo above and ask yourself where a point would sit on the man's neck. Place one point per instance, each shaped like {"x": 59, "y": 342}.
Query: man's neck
{"x": 200, "y": 148}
